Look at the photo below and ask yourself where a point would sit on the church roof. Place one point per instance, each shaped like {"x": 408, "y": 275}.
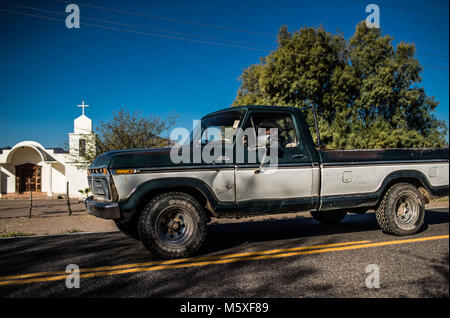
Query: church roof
{"x": 82, "y": 125}
{"x": 55, "y": 149}
{"x": 58, "y": 150}
{"x": 4, "y": 148}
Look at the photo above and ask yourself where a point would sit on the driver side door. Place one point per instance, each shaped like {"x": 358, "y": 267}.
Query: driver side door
{"x": 285, "y": 184}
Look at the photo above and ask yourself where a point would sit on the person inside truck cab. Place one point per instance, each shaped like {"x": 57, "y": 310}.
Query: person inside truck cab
{"x": 271, "y": 134}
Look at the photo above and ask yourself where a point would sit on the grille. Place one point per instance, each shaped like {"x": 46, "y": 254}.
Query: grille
{"x": 99, "y": 187}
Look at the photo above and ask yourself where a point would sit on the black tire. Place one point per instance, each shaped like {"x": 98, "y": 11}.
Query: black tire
{"x": 329, "y": 217}
{"x": 172, "y": 225}
{"x": 128, "y": 228}
{"x": 402, "y": 210}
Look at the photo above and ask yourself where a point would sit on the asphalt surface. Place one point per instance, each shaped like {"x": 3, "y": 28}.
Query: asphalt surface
{"x": 311, "y": 260}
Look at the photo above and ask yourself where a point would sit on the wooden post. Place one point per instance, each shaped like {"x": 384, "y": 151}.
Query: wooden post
{"x": 68, "y": 199}
{"x": 31, "y": 197}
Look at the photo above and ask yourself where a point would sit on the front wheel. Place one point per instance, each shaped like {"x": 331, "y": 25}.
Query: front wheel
{"x": 329, "y": 217}
{"x": 173, "y": 225}
{"x": 402, "y": 210}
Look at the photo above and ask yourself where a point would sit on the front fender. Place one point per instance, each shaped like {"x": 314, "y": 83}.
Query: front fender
{"x": 144, "y": 191}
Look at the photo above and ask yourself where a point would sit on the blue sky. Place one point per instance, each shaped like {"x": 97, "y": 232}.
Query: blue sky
{"x": 47, "y": 69}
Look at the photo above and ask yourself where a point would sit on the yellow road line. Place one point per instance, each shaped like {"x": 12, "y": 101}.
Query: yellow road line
{"x": 233, "y": 260}
{"x": 176, "y": 261}
{"x": 225, "y": 261}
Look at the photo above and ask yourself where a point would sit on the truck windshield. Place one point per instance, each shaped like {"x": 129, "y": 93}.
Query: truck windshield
{"x": 218, "y": 128}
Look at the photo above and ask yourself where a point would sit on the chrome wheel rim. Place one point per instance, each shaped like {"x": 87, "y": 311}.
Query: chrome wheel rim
{"x": 406, "y": 211}
{"x": 174, "y": 226}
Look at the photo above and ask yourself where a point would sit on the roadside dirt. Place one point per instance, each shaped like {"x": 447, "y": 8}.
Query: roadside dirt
{"x": 52, "y": 218}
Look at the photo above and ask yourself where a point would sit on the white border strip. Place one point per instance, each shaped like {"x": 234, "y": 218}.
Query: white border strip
{"x": 62, "y": 234}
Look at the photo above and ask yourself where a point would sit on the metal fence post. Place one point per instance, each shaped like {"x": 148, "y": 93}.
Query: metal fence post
{"x": 68, "y": 199}
{"x": 31, "y": 198}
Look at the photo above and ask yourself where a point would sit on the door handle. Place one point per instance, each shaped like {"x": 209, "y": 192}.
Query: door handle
{"x": 298, "y": 156}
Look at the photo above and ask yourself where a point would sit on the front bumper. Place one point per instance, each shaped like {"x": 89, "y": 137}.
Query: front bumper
{"x": 104, "y": 210}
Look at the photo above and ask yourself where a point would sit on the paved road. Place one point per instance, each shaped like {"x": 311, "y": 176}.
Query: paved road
{"x": 284, "y": 258}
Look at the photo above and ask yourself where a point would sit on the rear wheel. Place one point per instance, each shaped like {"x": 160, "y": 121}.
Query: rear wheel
{"x": 173, "y": 225}
{"x": 329, "y": 217}
{"x": 402, "y": 210}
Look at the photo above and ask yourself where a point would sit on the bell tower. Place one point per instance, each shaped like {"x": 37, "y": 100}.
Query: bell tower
{"x": 81, "y": 141}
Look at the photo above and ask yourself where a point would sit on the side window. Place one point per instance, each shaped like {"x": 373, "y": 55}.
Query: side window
{"x": 274, "y": 125}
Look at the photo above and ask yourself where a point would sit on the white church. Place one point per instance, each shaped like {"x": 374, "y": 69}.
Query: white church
{"x": 29, "y": 166}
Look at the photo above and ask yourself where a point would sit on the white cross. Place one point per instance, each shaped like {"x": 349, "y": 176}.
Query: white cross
{"x": 83, "y": 106}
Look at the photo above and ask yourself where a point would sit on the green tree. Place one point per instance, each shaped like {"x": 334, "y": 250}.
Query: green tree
{"x": 366, "y": 91}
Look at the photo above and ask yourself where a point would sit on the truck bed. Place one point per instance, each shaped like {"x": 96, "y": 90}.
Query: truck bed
{"x": 383, "y": 155}
{"x": 358, "y": 177}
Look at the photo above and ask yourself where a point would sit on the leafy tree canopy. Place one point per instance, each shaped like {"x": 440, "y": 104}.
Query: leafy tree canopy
{"x": 366, "y": 91}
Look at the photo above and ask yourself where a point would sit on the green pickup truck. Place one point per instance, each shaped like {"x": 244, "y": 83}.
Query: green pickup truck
{"x": 166, "y": 202}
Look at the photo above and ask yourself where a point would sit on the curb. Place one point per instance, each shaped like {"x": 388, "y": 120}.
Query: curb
{"x": 62, "y": 234}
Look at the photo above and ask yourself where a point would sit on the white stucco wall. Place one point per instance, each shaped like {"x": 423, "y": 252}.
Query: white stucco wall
{"x": 8, "y": 179}
{"x": 77, "y": 179}
{"x": 59, "y": 178}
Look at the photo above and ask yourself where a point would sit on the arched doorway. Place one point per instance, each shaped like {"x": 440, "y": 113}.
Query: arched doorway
{"x": 28, "y": 178}
{"x": 26, "y": 160}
